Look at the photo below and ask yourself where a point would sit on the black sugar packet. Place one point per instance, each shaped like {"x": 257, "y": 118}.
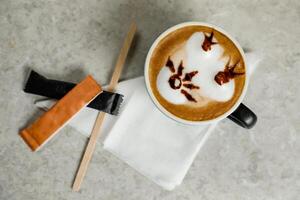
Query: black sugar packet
{"x": 108, "y": 102}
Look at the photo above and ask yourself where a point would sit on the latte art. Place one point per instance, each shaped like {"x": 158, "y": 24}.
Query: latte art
{"x": 195, "y": 79}
{"x": 196, "y": 73}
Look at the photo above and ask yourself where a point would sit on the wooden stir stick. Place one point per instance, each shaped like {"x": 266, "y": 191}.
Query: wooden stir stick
{"x": 96, "y": 129}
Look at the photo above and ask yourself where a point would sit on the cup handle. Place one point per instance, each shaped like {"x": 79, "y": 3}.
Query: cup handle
{"x": 243, "y": 116}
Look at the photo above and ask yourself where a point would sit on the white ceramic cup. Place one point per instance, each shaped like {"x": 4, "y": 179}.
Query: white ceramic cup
{"x": 238, "y": 112}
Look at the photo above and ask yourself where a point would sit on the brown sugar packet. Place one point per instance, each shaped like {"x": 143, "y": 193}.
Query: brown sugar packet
{"x": 108, "y": 102}
{"x": 46, "y": 126}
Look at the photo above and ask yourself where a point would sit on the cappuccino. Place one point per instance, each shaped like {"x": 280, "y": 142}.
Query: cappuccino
{"x": 196, "y": 73}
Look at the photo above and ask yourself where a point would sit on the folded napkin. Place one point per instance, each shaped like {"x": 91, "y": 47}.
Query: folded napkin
{"x": 158, "y": 147}
{"x": 155, "y": 145}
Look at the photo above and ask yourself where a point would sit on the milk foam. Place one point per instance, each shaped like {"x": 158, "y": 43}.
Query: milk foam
{"x": 207, "y": 63}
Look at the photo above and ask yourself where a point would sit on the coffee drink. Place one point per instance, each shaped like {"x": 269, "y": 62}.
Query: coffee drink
{"x": 196, "y": 73}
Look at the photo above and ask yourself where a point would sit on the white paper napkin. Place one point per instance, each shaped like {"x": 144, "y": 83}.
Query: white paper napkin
{"x": 147, "y": 140}
{"x": 155, "y": 145}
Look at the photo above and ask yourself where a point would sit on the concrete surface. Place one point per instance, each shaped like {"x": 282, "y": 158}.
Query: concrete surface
{"x": 66, "y": 39}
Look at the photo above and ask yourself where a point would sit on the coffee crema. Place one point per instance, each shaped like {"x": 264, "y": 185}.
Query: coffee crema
{"x": 196, "y": 73}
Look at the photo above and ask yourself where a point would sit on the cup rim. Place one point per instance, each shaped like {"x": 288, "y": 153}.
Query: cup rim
{"x": 165, "y": 111}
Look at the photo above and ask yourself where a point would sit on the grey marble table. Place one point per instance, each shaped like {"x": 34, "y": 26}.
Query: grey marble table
{"x": 67, "y": 39}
